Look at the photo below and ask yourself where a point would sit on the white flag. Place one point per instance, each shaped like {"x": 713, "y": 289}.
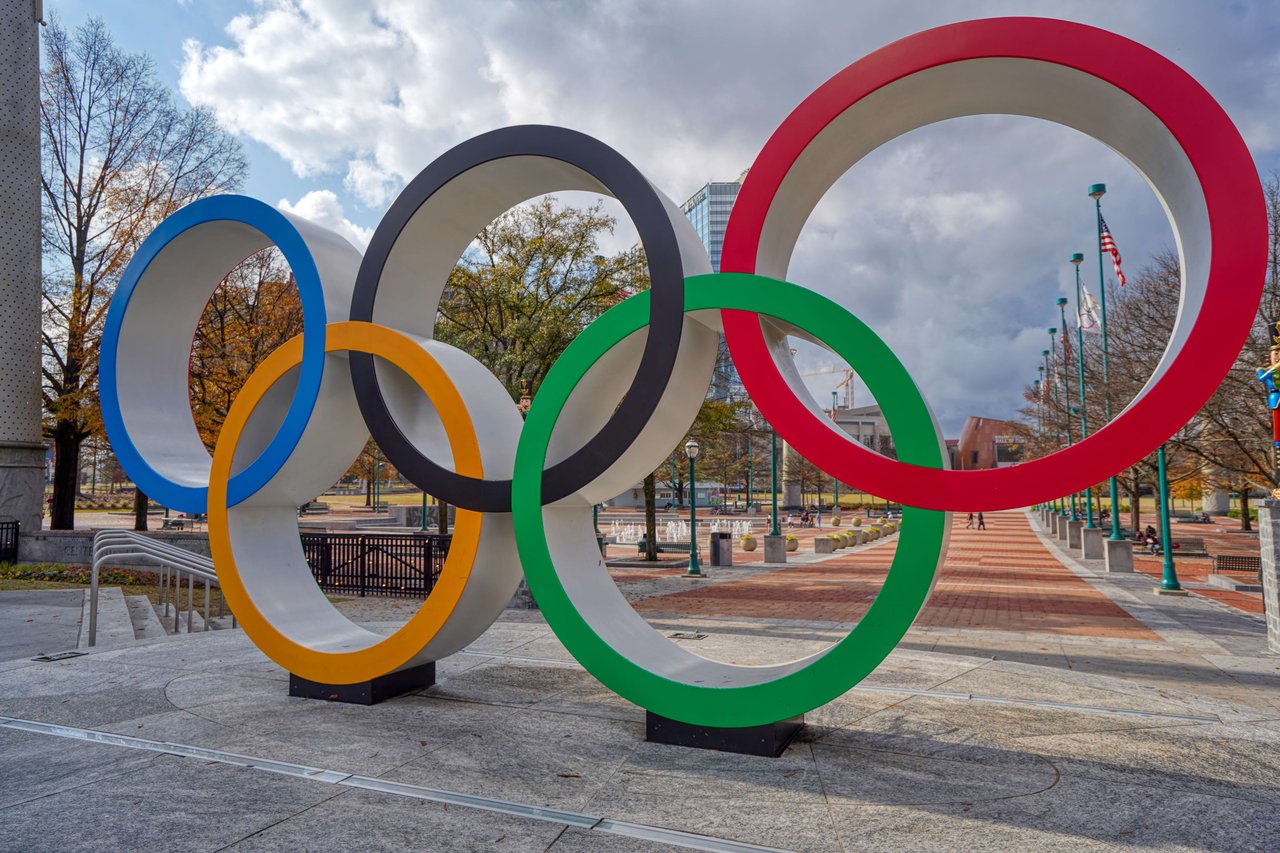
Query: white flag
{"x": 1090, "y": 320}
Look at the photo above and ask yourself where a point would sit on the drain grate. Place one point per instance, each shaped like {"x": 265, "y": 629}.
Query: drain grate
{"x": 58, "y": 656}
{"x": 688, "y": 635}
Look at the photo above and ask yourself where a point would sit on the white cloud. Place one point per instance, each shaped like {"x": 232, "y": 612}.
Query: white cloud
{"x": 323, "y": 208}
{"x": 951, "y": 242}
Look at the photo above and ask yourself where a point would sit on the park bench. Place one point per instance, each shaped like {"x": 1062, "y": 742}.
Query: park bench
{"x": 316, "y": 509}
{"x": 1185, "y": 546}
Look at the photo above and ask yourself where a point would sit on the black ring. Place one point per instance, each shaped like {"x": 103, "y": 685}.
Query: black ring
{"x": 666, "y": 312}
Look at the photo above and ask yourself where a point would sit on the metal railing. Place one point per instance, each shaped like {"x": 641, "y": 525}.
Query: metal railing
{"x": 376, "y": 564}
{"x": 176, "y": 565}
{"x": 9, "y": 541}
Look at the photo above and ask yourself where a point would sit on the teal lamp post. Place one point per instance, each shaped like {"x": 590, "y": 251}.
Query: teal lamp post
{"x": 1169, "y": 578}
{"x": 422, "y": 522}
{"x": 1066, "y": 391}
{"x": 751, "y": 453}
{"x": 1076, "y": 260}
{"x": 1096, "y": 192}
{"x": 377, "y": 480}
{"x": 691, "y": 450}
{"x": 835, "y": 481}
{"x": 773, "y": 479}
{"x": 1054, "y": 386}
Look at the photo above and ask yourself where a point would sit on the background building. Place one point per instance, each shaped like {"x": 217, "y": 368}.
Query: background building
{"x": 708, "y": 209}
{"x": 989, "y": 443}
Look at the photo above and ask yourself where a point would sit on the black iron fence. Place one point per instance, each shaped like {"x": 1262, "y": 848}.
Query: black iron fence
{"x": 364, "y": 564}
{"x": 8, "y": 541}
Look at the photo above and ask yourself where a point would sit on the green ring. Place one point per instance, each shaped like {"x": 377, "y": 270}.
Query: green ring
{"x": 911, "y": 573}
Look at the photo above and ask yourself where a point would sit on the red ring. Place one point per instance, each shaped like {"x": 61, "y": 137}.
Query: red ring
{"x": 1238, "y": 234}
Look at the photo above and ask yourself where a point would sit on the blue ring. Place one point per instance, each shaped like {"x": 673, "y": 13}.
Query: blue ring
{"x": 280, "y": 231}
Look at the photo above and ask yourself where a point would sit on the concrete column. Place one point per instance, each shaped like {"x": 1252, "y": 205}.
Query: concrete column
{"x": 775, "y": 549}
{"x": 1119, "y": 555}
{"x": 1215, "y": 501}
{"x": 1269, "y": 544}
{"x": 1062, "y": 529}
{"x": 1053, "y": 523}
{"x": 1073, "y": 533}
{"x": 1092, "y": 547}
{"x": 21, "y": 447}
{"x": 790, "y": 491}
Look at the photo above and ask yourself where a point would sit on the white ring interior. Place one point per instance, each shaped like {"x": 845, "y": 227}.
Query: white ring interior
{"x": 1008, "y": 86}
{"x": 154, "y": 348}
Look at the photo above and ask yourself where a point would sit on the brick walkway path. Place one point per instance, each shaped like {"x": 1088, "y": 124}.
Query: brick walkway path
{"x": 1001, "y": 578}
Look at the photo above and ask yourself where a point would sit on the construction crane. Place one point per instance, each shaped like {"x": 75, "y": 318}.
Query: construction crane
{"x": 846, "y": 383}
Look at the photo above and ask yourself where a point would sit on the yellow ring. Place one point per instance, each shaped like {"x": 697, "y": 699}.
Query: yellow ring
{"x": 401, "y": 647}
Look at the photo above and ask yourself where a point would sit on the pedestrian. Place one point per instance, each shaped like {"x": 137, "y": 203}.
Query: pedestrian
{"x": 982, "y": 522}
{"x": 969, "y": 523}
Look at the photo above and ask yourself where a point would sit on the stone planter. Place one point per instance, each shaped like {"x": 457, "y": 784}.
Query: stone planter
{"x": 835, "y": 521}
{"x": 748, "y": 543}
{"x": 857, "y": 537}
{"x": 793, "y": 544}
{"x": 824, "y": 545}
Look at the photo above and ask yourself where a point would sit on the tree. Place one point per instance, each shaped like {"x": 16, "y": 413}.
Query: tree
{"x": 252, "y": 312}
{"x": 531, "y": 283}
{"x": 117, "y": 157}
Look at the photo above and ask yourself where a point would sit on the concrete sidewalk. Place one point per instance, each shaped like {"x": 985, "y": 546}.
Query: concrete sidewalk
{"x": 934, "y": 751}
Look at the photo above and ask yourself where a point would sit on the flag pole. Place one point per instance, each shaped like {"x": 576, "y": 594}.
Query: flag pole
{"x": 1076, "y": 260}
{"x": 1066, "y": 390}
{"x": 1096, "y": 192}
{"x": 1055, "y": 383}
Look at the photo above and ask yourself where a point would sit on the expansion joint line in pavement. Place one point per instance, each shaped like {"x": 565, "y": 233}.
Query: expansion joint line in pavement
{"x": 647, "y": 832}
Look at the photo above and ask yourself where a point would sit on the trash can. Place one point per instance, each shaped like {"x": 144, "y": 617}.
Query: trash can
{"x": 721, "y": 549}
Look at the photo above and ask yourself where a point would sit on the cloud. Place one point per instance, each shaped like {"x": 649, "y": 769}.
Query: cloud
{"x": 323, "y": 208}
{"x": 951, "y": 241}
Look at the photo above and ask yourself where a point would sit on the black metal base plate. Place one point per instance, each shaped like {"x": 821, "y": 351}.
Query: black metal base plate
{"x": 768, "y": 740}
{"x": 366, "y": 692}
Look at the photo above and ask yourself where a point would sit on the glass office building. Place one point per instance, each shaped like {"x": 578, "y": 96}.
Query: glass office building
{"x": 708, "y": 210}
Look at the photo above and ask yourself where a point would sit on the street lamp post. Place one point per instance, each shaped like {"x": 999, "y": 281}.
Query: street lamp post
{"x": 1076, "y": 260}
{"x": 1169, "y": 579}
{"x": 377, "y": 480}
{"x": 835, "y": 481}
{"x": 751, "y": 447}
{"x": 422, "y": 522}
{"x": 1066, "y": 389}
{"x": 691, "y": 450}
{"x": 1057, "y": 393}
{"x": 1096, "y": 192}
{"x": 773, "y": 479}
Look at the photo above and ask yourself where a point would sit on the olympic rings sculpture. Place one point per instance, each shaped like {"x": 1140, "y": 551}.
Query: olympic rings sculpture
{"x": 366, "y": 363}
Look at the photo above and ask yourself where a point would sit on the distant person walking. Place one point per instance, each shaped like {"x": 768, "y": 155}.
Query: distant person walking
{"x": 969, "y": 523}
{"x": 982, "y": 522}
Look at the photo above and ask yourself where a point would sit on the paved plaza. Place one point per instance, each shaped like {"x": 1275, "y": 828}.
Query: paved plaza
{"x": 1038, "y": 703}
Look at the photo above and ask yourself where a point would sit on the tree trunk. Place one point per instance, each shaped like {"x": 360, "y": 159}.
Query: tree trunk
{"x": 1135, "y": 503}
{"x": 442, "y": 516}
{"x": 139, "y": 510}
{"x": 66, "y": 472}
{"x": 651, "y": 517}
{"x": 1246, "y": 523}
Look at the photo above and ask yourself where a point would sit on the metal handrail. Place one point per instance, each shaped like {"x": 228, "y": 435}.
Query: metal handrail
{"x": 176, "y": 563}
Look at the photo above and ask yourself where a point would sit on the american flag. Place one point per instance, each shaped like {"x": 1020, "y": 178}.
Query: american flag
{"x": 1109, "y": 245}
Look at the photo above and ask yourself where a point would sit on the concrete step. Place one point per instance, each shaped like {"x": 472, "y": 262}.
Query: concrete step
{"x": 216, "y": 623}
{"x": 1236, "y": 583}
{"x": 146, "y": 624}
{"x": 115, "y": 626}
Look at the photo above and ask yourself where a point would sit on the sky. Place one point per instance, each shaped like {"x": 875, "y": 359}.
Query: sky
{"x": 951, "y": 242}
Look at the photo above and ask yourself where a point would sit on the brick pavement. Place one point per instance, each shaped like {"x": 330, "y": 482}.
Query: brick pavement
{"x": 1000, "y": 579}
